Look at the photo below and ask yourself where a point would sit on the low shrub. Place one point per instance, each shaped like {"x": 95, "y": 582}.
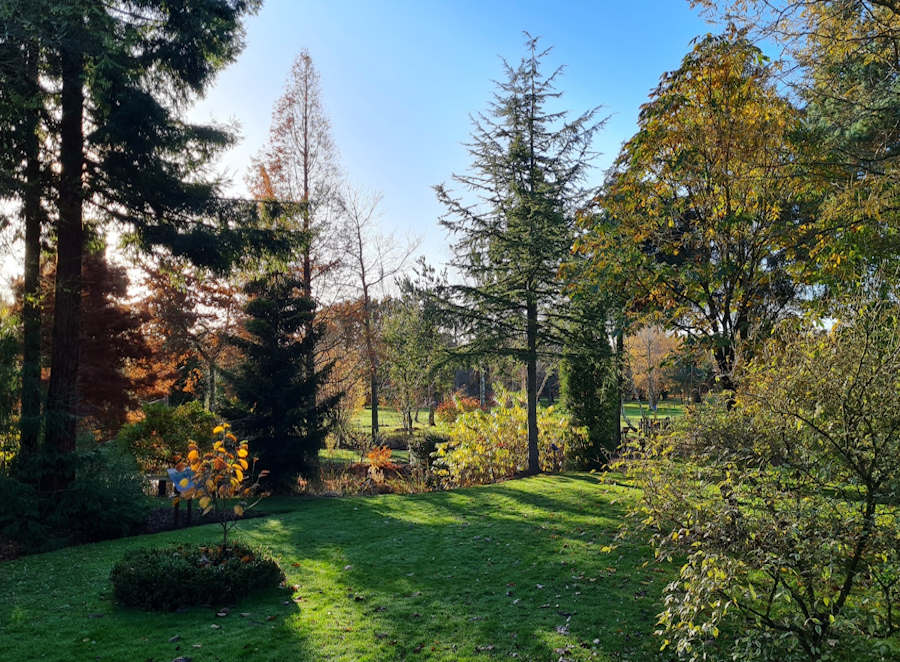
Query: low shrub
{"x": 487, "y": 446}
{"x": 422, "y": 448}
{"x": 394, "y": 439}
{"x": 106, "y": 500}
{"x": 451, "y": 408}
{"x": 164, "y": 431}
{"x": 168, "y": 578}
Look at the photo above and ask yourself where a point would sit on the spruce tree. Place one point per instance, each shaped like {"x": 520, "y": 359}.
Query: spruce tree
{"x": 528, "y": 171}
{"x": 277, "y": 408}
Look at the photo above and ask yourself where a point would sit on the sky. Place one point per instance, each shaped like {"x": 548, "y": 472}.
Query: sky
{"x": 401, "y": 78}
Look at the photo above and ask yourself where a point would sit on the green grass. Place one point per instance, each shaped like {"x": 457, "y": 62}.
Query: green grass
{"x": 665, "y": 409}
{"x": 479, "y": 573}
{"x": 347, "y": 456}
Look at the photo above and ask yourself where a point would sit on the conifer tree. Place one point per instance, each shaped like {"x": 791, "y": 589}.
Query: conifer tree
{"x": 528, "y": 169}
{"x": 124, "y": 74}
{"x": 277, "y": 409}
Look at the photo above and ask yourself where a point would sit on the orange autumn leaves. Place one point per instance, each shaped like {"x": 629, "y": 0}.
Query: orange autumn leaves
{"x": 219, "y": 474}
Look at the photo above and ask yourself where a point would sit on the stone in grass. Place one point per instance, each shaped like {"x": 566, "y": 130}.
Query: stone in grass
{"x": 177, "y": 637}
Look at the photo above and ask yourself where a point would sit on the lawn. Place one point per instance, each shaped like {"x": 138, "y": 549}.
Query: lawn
{"x": 664, "y": 409}
{"x": 515, "y": 569}
{"x": 348, "y": 456}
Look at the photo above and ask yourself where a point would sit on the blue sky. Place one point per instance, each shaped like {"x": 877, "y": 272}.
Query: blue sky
{"x": 400, "y": 79}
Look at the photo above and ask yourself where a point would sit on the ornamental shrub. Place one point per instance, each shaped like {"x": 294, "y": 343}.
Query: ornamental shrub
{"x": 487, "y": 446}
{"x": 422, "y": 448}
{"x": 169, "y": 578}
{"x": 451, "y": 408}
{"x": 164, "y": 431}
{"x": 783, "y": 499}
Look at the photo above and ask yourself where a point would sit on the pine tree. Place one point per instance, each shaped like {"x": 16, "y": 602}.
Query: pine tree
{"x": 528, "y": 169}
{"x": 277, "y": 409}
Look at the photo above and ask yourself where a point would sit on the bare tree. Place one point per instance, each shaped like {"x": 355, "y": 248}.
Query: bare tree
{"x": 372, "y": 262}
{"x": 299, "y": 165}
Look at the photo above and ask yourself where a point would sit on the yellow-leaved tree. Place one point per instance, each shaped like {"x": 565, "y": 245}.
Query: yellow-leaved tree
{"x": 222, "y": 479}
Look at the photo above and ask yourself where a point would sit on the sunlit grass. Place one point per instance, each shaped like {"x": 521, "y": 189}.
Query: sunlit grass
{"x": 481, "y": 573}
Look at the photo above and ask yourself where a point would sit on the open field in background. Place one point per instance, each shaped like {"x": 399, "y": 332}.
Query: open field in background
{"x": 514, "y": 569}
{"x": 348, "y": 456}
{"x": 389, "y": 419}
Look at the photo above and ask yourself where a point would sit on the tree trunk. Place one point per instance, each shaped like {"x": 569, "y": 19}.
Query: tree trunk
{"x": 373, "y": 386}
{"x": 620, "y": 381}
{"x": 534, "y": 465}
{"x": 30, "y": 422}
{"x": 211, "y": 385}
{"x": 482, "y": 388}
{"x": 431, "y": 404}
{"x": 62, "y": 396}
{"x": 725, "y": 365}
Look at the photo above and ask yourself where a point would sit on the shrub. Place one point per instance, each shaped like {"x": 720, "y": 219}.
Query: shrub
{"x": 164, "y": 431}
{"x": 450, "y": 409}
{"x": 422, "y": 448}
{"x": 485, "y": 447}
{"x": 20, "y": 516}
{"x": 784, "y": 499}
{"x": 106, "y": 500}
{"x": 169, "y": 578}
{"x": 395, "y": 440}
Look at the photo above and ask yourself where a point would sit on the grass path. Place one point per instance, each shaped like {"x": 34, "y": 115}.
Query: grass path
{"x": 514, "y": 569}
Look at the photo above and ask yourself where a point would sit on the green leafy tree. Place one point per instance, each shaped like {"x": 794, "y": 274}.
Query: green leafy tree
{"x": 528, "y": 168}
{"x": 843, "y": 65}
{"x": 164, "y": 432}
{"x": 277, "y": 408}
{"x": 706, "y": 213}
{"x": 589, "y": 384}
{"x": 786, "y": 505}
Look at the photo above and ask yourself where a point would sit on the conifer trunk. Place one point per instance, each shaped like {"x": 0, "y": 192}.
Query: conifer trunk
{"x": 30, "y": 422}
{"x": 534, "y": 465}
{"x": 62, "y": 397}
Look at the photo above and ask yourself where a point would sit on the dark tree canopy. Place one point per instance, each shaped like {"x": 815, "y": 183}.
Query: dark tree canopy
{"x": 277, "y": 408}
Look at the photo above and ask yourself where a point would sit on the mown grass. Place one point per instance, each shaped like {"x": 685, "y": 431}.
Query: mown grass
{"x": 515, "y": 569}
{"x": 348, "y": 456}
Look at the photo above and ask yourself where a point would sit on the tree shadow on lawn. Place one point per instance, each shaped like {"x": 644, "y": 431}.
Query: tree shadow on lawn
{"x": 472, "y": 574}
{"x": 59, "y": 606}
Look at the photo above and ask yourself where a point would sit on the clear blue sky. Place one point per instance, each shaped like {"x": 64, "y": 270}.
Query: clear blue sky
{"x": 401, "y": 77}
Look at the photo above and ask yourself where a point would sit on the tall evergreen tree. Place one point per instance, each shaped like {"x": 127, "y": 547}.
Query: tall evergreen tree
{"x": 277, "y": 408}
{"x": 125, "y": 72}
{"x": 23, "y": 180}
{"x": 528, "y": 169}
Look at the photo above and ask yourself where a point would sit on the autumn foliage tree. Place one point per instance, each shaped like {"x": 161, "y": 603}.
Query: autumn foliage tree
{"x": 706, "y": 209}
{"x": 841, "y": 63}
{"x": 113, "y": 345}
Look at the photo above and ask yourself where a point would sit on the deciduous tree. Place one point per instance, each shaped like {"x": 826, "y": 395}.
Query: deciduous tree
{"x": 706, "y": 210}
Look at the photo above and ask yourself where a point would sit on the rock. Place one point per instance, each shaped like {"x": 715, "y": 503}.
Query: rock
{"x": 177, "y": 637}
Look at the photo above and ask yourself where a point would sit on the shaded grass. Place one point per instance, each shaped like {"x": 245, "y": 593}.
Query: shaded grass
{"x": 480, "y": 573}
